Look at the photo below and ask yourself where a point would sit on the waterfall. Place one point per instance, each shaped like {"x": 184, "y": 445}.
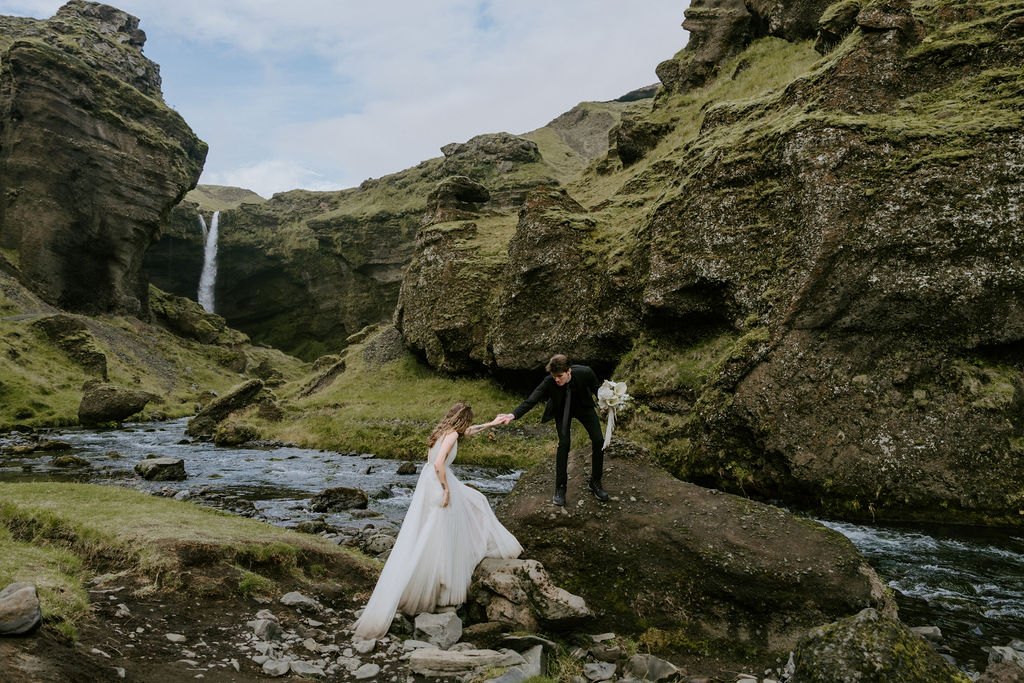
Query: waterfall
{"x": 209, "y": 277}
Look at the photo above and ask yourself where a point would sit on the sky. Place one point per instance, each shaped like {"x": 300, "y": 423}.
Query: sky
{"x": 323, "y": 94}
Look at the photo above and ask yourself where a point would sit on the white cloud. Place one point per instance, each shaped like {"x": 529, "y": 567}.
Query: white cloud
{"x": 334, "y": 91}
{"x": 270, "y": 176}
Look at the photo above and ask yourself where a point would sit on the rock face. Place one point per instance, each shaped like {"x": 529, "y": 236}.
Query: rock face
{"x": 305, "y": 270}
{"x": 871, "y": 648}
{"x": 20, "y": 611}
{"x": 737, "y": 571}
{"x": 819, "y": 291}
{"x": 92, "y": 158}
{"x": 108, "y": 403}
{"x": 72, "y": 336}
{"x": 161, "y": 469}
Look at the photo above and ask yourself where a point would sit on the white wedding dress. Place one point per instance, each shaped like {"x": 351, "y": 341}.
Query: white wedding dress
{"x": 436, "y": 551}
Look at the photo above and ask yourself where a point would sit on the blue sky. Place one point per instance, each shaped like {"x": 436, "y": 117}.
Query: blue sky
{"x": 322, "y": 94}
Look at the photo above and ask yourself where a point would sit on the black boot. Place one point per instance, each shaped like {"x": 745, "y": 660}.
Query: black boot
{"x": 559, "y": 498}
{"x": 595, "y": 488}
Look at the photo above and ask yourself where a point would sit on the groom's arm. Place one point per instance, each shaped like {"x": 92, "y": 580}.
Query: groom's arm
{"x": 534, "y": 398}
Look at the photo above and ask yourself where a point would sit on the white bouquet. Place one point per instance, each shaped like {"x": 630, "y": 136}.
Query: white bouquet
{"x": 612, "y": 396}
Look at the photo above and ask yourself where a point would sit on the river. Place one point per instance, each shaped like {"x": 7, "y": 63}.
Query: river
{"x": 968, "y": 582}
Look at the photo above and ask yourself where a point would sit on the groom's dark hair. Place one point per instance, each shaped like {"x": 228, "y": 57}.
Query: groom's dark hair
{"x": 559, "y": 363}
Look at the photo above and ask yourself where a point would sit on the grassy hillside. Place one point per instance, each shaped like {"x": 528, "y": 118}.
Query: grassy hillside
{"x": 221, "y": 197}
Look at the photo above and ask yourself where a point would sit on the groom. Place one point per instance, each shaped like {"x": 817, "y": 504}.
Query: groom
{"x": 568, "y": 390}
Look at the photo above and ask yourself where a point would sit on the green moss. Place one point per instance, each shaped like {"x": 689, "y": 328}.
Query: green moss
{"x": 251, "y": 584}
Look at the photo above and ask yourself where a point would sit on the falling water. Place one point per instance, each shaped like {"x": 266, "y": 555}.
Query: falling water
{"x": 209, "y": 276}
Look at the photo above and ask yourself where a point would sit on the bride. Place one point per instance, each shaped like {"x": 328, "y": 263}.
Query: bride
{"x": 448, "y": 529}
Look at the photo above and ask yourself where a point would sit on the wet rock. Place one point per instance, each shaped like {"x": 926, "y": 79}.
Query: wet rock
{"x": 161, "y": 469}
{"x": 869, "y": 647}
{"x": 107, "y": 403}
{"x": 234, "y": 434}
{"x": 521, "y": 594}
{"x": 436, "y": 662}
{"x": 442, "y": 630}
{"x": 20, "y": 611}
{"x": 406, "y": 468}
{"x": 338, "y": 499}
{"x": 70, "y": 461}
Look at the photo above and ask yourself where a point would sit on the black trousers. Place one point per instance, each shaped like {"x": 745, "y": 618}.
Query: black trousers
{"x": 592, "y": 424}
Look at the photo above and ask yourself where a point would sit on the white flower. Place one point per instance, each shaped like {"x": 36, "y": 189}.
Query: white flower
{"x": 612, "y": 395}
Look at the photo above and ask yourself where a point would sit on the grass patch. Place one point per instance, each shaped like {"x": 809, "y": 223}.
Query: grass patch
{"x": 390, "y": 411}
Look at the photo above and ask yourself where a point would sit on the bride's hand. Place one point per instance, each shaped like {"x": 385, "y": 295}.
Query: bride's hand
{"x": 444, "y": 500}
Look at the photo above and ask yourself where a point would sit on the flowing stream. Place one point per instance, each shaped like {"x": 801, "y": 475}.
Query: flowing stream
{"x": 968, "y": 582}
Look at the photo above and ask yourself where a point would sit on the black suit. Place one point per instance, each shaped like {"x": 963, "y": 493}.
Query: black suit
{"x": 580, "y": 391}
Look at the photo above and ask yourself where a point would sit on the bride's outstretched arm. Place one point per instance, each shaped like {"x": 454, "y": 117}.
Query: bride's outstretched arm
{"x": 476, "y": 429}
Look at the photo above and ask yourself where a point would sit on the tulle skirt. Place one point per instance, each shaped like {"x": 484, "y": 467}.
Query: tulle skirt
{"x": 437, "y": 550}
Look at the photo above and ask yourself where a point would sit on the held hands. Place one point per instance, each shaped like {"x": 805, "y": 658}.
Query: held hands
{"x": 504, "y": 418}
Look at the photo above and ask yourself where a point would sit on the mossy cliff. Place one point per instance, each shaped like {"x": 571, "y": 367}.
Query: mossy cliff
{"x": 304, "y": 270}
{"x": 807, "y": 262}
{"x": 91, "y": 158}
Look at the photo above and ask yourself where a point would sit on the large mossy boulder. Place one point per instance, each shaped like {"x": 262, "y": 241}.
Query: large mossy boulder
{"x": 186, "y": 318}
{"x": 249, "y": 393}
{"x": 93, "y": 158}
{"x": 698, "y": 564}
{"x": 870, "y": 648}
{"x": 102, "y": 403}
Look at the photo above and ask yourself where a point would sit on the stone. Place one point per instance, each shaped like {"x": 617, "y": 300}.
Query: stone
{"x": 20, "y": 611}
{"x": 1002, "y": 672}
{"x": 598, "y": 671}
{"x": 161, "y": 469}
{"x": 412, "y": 644}
{"x": 70, "y": 461}
{"x": 869, "y": 647}
{"x": 1006, "y": 653}
{"x": 379, "y": 543}
{"x": 442, "y": 630}
{"x": 406, "y": 468}
{"x": 296, "y": 599}
{"x": 364, "y": 647}
{"x": 933, "y": 633}
{"x": 300, "y": 667}
{"x": 175, "y": 637}
{"x": 366, "y": 672}
{"x": 650, "y": 668}
{"x": 108, "y": 403}
{"x": 521, "y": 594}
{"x": 437, "y": 662}
{"x": 532, "y": 667}
{"x": 339, "y": 498}
{"x": 266, "y": 629}
{"x": 275, "y": 668}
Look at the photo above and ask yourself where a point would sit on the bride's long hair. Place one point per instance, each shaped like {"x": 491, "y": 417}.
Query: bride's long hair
{"x": 458, "y": 419}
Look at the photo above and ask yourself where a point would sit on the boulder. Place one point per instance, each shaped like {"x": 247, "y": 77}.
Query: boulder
{"x": 870, "y": 648}
{"x": 406, "y": 468}
{"x": 108, "y": 403}
{"x": 161, "y": 469}
{"x": 520, "y": 594}
{"x": 94, "y": 158}
{"x": 447, "y": 663}
{"x": 738, "y": 571}
{"x": 443, "y": 629}
{"x": 186, "y": 318}
{"x": 1002, "y": 672}
{"x": 234, "y": 434}
{"x": 20, "y": 612}
{"x": 647, "y": 667}
{"x": 532, "y": 667}
{"x": 339, "y": 498}
{"x": 204, "y": 424}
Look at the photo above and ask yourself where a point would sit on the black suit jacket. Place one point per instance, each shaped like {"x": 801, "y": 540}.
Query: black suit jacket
{"x": 584, "y": 384}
